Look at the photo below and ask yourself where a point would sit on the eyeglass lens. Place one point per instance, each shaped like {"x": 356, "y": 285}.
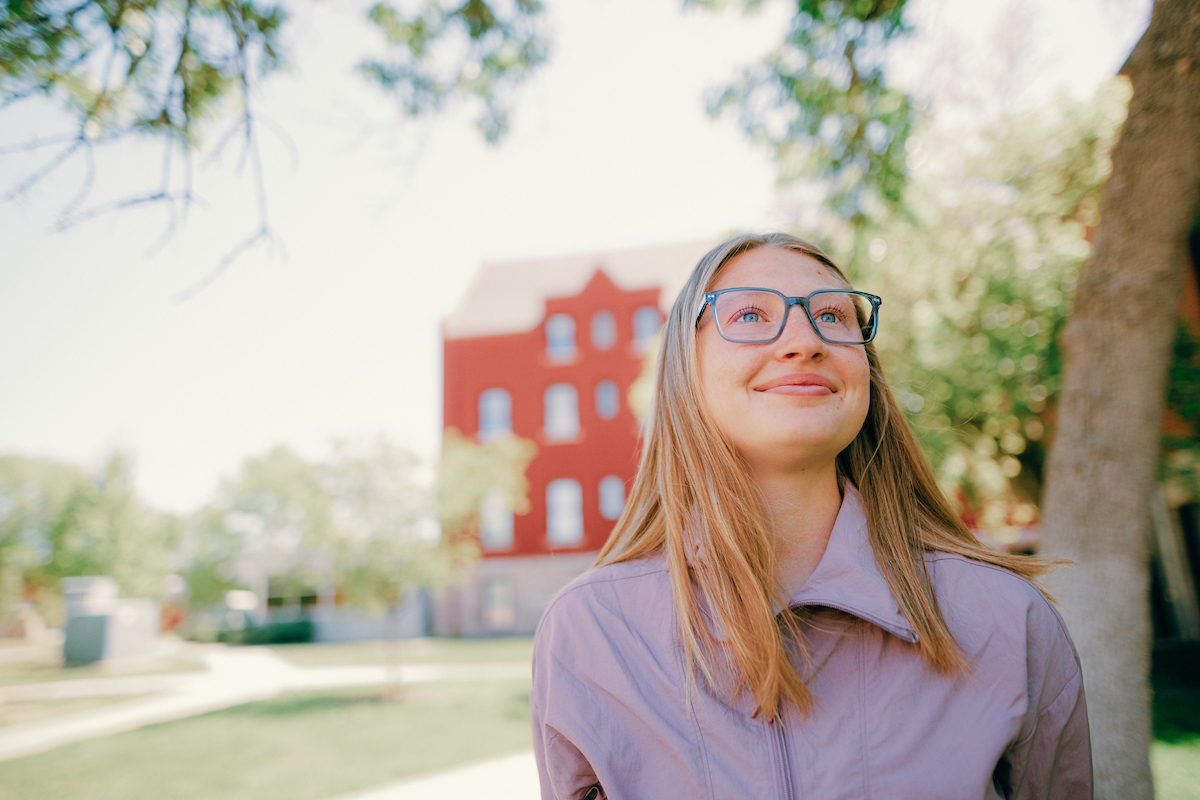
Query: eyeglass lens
{"x": 749, "y": 316}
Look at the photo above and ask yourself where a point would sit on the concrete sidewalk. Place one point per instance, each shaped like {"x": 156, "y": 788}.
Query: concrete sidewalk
{"x": 512, "y": 777}
{"x": 234, "y": 676}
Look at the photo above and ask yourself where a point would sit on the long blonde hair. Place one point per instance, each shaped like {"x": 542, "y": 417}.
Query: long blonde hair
{"x": 693, "y": 490}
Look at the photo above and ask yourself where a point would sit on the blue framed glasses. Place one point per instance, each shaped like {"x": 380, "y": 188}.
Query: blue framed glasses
{"x": 752, "y": 315}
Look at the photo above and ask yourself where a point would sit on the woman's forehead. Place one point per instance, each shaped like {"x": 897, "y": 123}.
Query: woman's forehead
{"x": 783, "y": 270}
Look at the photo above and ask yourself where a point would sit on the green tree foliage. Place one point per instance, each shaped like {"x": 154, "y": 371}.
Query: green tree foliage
{"x": 469, "y": 470}
{"x": 182, "y": 73}
{"x": 136, "y": 68}
{"x": 207, "y": 557}
{"x": 478, "y": 51}
{"x": 821, "y": 102}
{"x": 33, "y": 496}
{"x": 123, "y": 66}
{"x": 381, "y": 511}
{"x": 130, "y": 65}
{"x": 56, "y": 521}
{"x": 281, "y": 514}
{"x": 361, "y": 521}
{"x": 1180, "y": 459}
{"x": 977, "y": 270}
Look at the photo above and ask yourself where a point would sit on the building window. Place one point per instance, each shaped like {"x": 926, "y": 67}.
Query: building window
{"x": 604, "y": 330}
{"x": 564, "y": 512}
{"x": 608, "y": 399}
{"x": 646, "y": 323}
{"x": 495, "y": 521}
{"x": 561, "y": 423}
{"x": 612, "y": 497}
{"x": 560, "y": 338}
{"x": 495, "y": 414}
{"x": 497, "y": 604}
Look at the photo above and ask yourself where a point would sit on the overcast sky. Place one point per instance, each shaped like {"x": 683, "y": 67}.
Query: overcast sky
{"x": 333, "y": 332}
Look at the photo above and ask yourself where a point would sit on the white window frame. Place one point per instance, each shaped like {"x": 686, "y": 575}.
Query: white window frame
{"x": 612, "y": 497}
{"x": 495, "y": 522}
{"x": 564, "y": 512}
{"x": 560, "y": 338}
{"x": 603, "y": 391}
{"x": 604, "y": 330}
{"x": 642, "y": 335}
{"x": 560, "y": 409}
{"x": 492, "y": 423}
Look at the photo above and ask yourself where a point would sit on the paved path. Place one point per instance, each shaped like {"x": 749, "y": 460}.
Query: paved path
{"x": 234, "y": 676}
{"x": 512, "y": 777}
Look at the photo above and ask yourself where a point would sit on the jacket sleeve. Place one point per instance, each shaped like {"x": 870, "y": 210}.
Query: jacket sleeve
{"x": 1053, "y": 759}
{"x": 563, "y": 770}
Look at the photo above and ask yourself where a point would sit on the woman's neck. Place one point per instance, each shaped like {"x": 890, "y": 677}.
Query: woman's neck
{"x": 801, "y": 508}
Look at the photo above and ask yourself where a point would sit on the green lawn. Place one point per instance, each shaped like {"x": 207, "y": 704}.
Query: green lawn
{"x": 1175, "y": 756}
{"x": 38, "y": 665}
{"x": 301, "y": 746}
{"x": 411, "y": 651}
{"x": 16, "y": 712}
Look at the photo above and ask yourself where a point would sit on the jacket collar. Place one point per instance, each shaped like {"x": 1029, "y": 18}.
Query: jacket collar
{"x": 848, "y": 578}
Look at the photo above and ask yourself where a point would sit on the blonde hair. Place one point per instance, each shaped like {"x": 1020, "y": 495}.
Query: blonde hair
{"x": 694, "y": 491}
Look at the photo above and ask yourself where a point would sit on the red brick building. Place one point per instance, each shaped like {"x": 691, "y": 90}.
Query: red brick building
{"x": 548, "y": 349}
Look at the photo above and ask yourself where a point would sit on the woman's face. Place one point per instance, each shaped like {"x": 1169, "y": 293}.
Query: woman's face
{"x": 793, "y": 403}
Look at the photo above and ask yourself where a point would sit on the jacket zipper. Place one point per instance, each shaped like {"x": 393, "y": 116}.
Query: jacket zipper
{"x": 781, "y": 760}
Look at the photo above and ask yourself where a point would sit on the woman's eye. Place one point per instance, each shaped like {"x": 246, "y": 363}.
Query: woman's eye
{"x": 830, "y": 317}
{"x": 748, "y": 316}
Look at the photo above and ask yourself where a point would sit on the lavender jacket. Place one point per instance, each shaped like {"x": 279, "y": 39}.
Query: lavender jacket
{"x": 610, "y": 717}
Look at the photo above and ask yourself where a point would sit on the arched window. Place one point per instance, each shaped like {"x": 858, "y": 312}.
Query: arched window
{"x": 561, "y": 404}
{"x": 612, "y": 496}
{"x": 495, "y": 414}
{"x": 564, "y": 512}
{"x": 495, "y": 521}
{"x": 646, "y": 323}
{"x": 560, "y": 338}
{"x": 604, "y": 330}
{"x": 608, "y": 399}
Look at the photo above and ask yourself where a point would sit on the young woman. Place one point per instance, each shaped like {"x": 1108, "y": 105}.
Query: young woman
{"x": 789, "y": 608}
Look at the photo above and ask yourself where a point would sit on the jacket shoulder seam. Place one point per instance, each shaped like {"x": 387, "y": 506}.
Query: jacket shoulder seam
{"x": 590, "y": 579}
{"x": 1041, "y": 599}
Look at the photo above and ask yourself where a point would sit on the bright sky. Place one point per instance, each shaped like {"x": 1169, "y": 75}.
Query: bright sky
{"x": 335, "y": 332}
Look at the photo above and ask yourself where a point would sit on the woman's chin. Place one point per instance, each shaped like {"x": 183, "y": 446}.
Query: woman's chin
{"x": 795, "y": 452}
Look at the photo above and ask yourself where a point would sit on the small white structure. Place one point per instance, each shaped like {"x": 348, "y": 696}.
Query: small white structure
{"x": 101, "y": 626}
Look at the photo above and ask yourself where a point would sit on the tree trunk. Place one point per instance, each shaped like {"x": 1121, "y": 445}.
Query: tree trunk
{"x": 1117, "y": 347}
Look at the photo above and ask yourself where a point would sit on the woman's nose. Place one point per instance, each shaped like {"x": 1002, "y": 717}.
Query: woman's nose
{"x": 799, "y": 337}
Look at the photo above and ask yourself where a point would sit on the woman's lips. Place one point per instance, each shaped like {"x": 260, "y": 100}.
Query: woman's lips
{"x": 798, "y": 385}
{"x": 806, "y": 390}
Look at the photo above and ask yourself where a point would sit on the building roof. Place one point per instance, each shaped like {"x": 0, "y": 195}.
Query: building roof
{"x": 509, "y": 296}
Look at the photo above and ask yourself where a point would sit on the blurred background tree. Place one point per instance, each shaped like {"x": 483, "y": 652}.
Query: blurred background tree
{"x": 387, "y": 543}
{"x": 361, "y": 524}
{"x": 979, "y": 267}
{"x": 282, "y": 517}
{"x": 59, "y": 521}
{"x": 469, "y": 471}
{"x": 182, "y": 74}
{"x": 207, "y": 557}
{"x": 822, "y": 104}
